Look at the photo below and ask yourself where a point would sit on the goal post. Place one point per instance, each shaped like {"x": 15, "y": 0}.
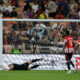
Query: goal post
{"x": 48, "y": 48}
{"x": 43, "y": 20}
{"x": 1, "y": 41}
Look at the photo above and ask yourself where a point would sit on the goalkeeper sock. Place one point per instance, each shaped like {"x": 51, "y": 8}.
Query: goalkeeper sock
{"x": 35, "y": 66}
{"x": 68, "y": 65}
{"x": 72, "y": 64}
{"x": 34, "y": 60}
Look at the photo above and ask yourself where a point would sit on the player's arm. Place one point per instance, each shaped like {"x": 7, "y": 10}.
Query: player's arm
{"x": 65, "y": 43}
{"x": 75, "y": 45}
{"x": 78, "y": 49}
{"x": 4, "y": 68}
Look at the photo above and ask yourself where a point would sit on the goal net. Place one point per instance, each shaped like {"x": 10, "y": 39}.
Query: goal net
{"x": 26, "y": 39}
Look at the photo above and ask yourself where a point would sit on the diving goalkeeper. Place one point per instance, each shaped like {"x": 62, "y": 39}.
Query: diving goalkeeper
{"x": 24, "y": 66}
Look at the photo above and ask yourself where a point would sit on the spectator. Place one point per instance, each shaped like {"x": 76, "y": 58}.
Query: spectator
{"x": 75, "y": 35}
{"x": 2, "y": 7}
{"x": 15, "y": 3}
{"x": 41, "y": 4}
{"x": 5, "y": 1}
{"x": 22, "y": 25}
{"x": 15, "y": 26}
{"x": 14, "y": 13}
{"x": 78, "y": 10}
{"x": 58, "y": 36}
{"x": 9, "y": 7}
{"x": 43, "y": 16}
{"x": 35, "y": 6}
{"x": 66, "y": 8}
{"x": 36, "y": 16}
{"x": 27, "y": 6}
{"x": 72, "y": 5}
{"x": 51, "y": 36}
{"x": 52, "y": 8}
{"x": 16, "y": 50}
{"x": 41, "y": 30}
{"x": 59, "y": 16}
{"x": 32, "y": 14}
{"x": 39, "y": 11}
{"x": 6, "y": 14}
{"x": 29, "y": 0}
{"x": 29, "y": 33}
{"x": 73, "y": 15}
{"x": 46, "y": 10}
{"x": 25, "y": 15}
{"x": 1, "y": 2}
{"x": 29, "y": 12}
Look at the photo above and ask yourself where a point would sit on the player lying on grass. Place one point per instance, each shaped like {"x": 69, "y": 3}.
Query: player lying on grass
{"x": 24, "y": 66}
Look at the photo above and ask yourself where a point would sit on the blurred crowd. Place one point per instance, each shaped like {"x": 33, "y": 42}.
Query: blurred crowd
{"x": 40, "y": 9}
{"x": 17, "y": 35}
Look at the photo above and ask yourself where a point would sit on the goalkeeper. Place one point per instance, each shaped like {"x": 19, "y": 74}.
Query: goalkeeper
{"x": 24, "y": 66}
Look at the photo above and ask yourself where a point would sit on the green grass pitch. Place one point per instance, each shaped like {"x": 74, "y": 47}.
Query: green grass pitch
{"x": 39, "y": 75}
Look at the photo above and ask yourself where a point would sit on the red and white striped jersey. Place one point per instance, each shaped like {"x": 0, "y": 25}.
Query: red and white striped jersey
{"x": 69, "y": 46}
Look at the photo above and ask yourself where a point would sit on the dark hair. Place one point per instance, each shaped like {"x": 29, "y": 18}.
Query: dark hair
{"x": 14, "y": 8}
{"x": 9, "y": 65}
{"x": 67, "y": 32}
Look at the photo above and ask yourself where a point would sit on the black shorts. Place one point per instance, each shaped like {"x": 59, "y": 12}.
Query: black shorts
{"x": 21, "y": 66}
{"x": 26, "y": 65}
{"x": 68, "y": 56}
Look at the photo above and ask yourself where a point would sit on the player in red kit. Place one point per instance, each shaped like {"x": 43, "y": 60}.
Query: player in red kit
{"x": 68, "y": 49}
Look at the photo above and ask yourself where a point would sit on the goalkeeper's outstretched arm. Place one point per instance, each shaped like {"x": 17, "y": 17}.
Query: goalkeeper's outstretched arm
{"x": 3, "y": 68}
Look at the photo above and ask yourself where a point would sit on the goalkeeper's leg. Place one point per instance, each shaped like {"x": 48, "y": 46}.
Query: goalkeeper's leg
{"x": 35, "y": 60}
{"x": 34, "y": 66}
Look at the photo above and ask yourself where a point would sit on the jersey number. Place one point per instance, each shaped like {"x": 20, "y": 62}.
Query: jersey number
{"x": 70, "y": 42}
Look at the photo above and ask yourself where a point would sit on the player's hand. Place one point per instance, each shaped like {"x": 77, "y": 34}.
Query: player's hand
{"x": 62, "y": 51}
{"x": 73, "y": 51}
{"x": 6, "y": 69}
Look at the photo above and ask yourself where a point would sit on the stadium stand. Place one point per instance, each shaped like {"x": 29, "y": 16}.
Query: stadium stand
{"x": 34, "y": 8}
{"x": 38, "y": 37}
{"x": 20, "y": 32}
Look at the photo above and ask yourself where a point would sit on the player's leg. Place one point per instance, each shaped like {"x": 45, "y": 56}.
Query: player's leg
{"x": 72, "y": 64}
{"x": 68, "y": 63}
{"x": 34, "y": 60}
{"x": 34, "y": 66}
{"x": 71, "y": 61}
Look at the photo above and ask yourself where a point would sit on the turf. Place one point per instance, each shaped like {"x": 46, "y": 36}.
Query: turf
{"x": 39, "y": 75}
